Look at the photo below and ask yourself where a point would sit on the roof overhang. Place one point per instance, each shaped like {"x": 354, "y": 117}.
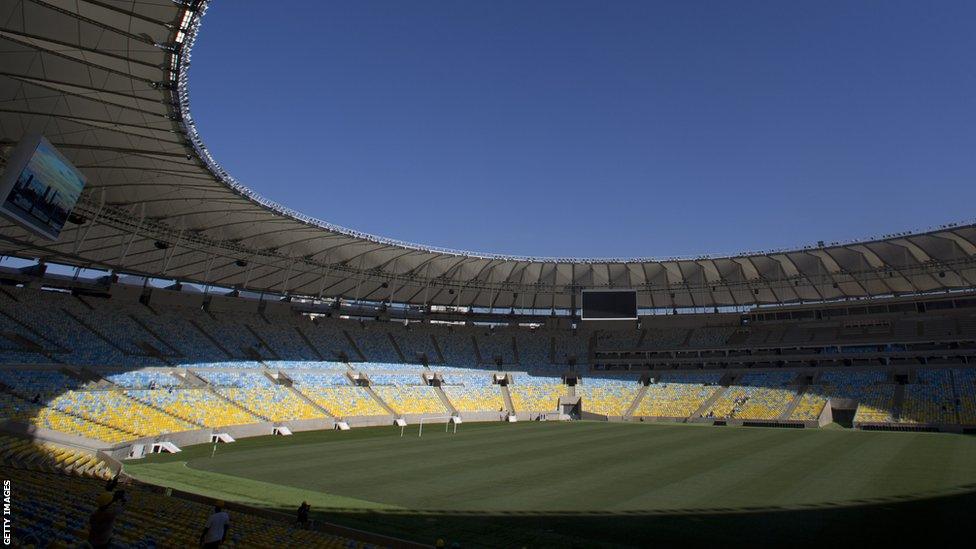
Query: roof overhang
{"x": 106, "y": 82}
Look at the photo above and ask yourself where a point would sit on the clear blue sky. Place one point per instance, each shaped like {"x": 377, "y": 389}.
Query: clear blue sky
{"x": 569, "y": 128}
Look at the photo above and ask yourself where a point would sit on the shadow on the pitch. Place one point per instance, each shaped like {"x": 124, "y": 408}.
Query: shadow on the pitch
{"x": 919, "y": 518}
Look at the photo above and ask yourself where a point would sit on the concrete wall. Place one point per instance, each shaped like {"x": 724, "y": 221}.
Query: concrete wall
{"x": 171, "y": 298}
{"x": 826, "y": 416}
{"x": 233, "y": 305}
{"x": 126, "y": 293}
{"x": 483, "y": 416}
{"x": 279, "y": 308}
{"x": 369, "y": 421}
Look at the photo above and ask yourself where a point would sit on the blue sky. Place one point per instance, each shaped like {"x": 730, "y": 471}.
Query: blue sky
{"x": 587, "y": 128}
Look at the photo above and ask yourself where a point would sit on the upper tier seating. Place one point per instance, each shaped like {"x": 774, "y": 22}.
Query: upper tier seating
{"x": 171, "y": 326}
{"x": 370, "y": 367}
{"x": 534, "y": 349}
{"x": 140, "y": 379}
{"x": 456, "y": 346}
{"x": 283, "y": 338}
{"x": 306, "y": 365}
{"x": 494, "y": 345}
{"x": 234, "y": 337}
{"x": 570, "y": 345}
{"x": 329, "y": 337}
{"x": 375, "y": 343}
{"x": 244, "y": 380}
{"x": 414, "y": 342}
{"x": 47, "y": 313}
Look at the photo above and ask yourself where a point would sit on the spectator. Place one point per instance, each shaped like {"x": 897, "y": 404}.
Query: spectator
{"x": 302, "y": 518}
{"x": 112, "y": 483}
{"x": 102, "y": 521}
{"x": 215, "y": 531}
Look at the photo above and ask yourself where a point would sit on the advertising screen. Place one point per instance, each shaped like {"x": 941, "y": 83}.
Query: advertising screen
{"x": 40, "y": 187}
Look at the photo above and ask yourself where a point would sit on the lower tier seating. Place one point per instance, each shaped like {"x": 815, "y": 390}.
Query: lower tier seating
{"x": 274, "y": 403}
{"x": 676, "y": 400}
{"x": 344, "y": 401}
{"x": 811, "y": 404}
{"x": 115, "y": 409}
{"x": 200, "y": 406}
{"x": 752, "y": 403}
{"x": 411, "y": 399}
{"x": 876, "y": 405}
{"x": 534, "y": 396}
{"x": 607, "y": 398}
{"x": 23, "y": 453}
{"x": 475, "y": 398}
{"x": 53, "y": 510}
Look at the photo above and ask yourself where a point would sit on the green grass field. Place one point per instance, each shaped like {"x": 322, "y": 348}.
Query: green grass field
{"x": 549, "y": 482}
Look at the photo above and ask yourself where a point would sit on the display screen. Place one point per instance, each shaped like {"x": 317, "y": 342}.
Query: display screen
{"x": 43, "y": 187}
{"x": 609, "y": 305}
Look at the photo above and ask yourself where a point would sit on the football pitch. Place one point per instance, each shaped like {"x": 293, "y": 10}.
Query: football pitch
{"x": 584, "y": 483}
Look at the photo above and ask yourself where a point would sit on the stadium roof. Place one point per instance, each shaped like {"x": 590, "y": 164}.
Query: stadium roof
{"x": 106, "y": 82}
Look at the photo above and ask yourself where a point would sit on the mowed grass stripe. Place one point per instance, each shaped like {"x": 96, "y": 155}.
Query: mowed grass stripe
{"x": 244, "y": 490}
{"x": 915, "y": 464}
{"x": 806, "y": 477}
{"x": 659, "y": 488}
{"x": 590, "y": 466}
{"x": 434, "y": 481}
{"x": 598, "y": 483}
{"x": 367, "y": 453}
{"x": 542, "y": 474}
{"x": 370, "y": 467}
{"x": 765, "y": 473}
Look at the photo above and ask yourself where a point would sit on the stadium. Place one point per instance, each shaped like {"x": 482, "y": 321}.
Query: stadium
{"x": 169, "y": 333}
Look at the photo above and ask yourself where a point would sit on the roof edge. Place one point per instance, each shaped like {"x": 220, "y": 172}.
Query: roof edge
{"x": 181, "y": 62}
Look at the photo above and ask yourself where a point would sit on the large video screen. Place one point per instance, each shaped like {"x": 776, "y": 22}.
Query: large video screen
{"x": 609, "y": 305}
{"x": 40, "y": 187}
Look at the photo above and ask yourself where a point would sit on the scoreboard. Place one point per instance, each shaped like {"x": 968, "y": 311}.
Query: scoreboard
{"x": 609, "y": 304}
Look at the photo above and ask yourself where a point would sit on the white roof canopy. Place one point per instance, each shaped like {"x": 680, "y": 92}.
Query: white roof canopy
{"x": 106, "y": 82}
